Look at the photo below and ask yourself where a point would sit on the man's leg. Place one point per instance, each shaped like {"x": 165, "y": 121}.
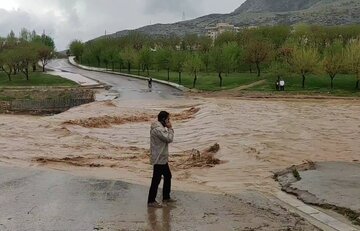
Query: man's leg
{"x": 155, "y": 183}
{"x": 167, "y": 182}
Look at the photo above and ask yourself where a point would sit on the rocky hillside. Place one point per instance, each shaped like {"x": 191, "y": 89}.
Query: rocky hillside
{"x": 267, "y": 12}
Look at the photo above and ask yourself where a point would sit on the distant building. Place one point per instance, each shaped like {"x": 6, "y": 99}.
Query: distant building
{"x": 214, "y": 31}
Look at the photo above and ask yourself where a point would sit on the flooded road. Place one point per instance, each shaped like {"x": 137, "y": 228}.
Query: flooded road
{"x": 109, "y": 141}
{"x": 126, "y": 88}
{"x": 256, "y": 138}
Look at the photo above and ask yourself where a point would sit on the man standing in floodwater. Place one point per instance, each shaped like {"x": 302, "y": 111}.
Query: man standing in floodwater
{"x": 161, "y": 134}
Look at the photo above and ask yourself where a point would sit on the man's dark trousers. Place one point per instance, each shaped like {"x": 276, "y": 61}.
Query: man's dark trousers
{"x": 160, "y": 170}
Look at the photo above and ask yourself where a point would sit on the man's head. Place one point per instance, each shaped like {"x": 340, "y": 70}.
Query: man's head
{"x": 163, "y": 116}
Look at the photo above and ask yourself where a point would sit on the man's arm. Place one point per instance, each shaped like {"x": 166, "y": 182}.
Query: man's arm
{"x": 165, "y": 135}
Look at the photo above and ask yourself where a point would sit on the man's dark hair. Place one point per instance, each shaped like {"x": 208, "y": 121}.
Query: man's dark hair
{"x": 163, "y": 115}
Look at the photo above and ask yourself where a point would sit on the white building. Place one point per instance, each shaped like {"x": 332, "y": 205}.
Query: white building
{"x": 215, "y": 31}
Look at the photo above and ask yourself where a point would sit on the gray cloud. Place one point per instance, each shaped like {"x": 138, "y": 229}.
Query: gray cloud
{"x": 172, "y": 6}
{"x": 66, "y": 20}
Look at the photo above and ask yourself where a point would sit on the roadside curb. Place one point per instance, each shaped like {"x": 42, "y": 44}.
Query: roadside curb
{"x": 313, "y": 215}
{"x": 174, "y": 85}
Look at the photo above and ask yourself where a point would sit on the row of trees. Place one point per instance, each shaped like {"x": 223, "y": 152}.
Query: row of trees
{"x": 282, "y": 50}
{"x": 20, "y": 54}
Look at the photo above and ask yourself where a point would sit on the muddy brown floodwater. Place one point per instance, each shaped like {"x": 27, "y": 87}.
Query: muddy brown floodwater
{"x": 256, "y": 138}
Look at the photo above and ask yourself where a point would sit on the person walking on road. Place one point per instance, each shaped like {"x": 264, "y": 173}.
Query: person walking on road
{"x": 150, "y": 84}
{"x": 161, "y": 135}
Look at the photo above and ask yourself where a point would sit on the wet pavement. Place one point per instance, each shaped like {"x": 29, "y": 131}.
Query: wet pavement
{"x": 125, "y": 87}
{"x": 33, "y": 199}
{"x": 333, "y": 183}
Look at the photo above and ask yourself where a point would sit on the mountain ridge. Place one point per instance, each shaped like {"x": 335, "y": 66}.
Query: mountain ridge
{"x": 264, "y": 13}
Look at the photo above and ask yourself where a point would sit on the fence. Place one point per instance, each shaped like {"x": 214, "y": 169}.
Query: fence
{"x": 46, "y": 106}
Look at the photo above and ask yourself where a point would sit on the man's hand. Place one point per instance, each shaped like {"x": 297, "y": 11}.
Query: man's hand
{"x": 168, "y": 124}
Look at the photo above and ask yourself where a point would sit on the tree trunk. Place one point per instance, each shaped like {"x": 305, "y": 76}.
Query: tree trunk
{"x": 250, "y": 67}
{"x": 357, "y": 84}
{"x": 147, "y": 70}
{"x": 34, "y": 67}
{"x": 221, "y": 79}
{"x": 129, "y": 67}
{"x": 168, "y": 74}
{"x": 332, "y": 81}
{"x": 258, "y": 69}
{"x": 195, "y": 78}
{"x": 112, "y": 66}
{"x": 303, "y": 81}
{"x": 43, "y": 68}
{"x": 179, "y": 77}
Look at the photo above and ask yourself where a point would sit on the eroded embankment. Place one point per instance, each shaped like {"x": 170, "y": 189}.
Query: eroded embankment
{"x": 289, "y": 176}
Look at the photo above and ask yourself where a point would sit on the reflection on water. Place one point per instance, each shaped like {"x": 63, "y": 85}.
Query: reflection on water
{"x": 159, "y": 219}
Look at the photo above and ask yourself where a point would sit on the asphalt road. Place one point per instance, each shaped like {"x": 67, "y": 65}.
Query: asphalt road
{"x": 127, "y": 88}
{"x": 33, "y": 199}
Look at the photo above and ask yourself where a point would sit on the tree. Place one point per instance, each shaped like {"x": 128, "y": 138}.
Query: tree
{"x": 178, "y": 62}
{"x": 193, "y": 65}
{"x": 305, "y": 60}
{"x": 190, "y": 41}
{"x": 145, "y": 59}
{"x": 45, "y": 53}
{"x": 25, "y": 56}
{"x": 225, "y": 37}
{"x": 258, "y": 51}
{"x": 232, "y": 54}
{"x": 333, "y": 62}
{"x": 128, "y": 56}
{"x": 353, "y": 59}
{"x": 218, "y": 61}
{"x": 77, "y": 49}
{"x": 163, "y": 60}
{"x": 7, "y": 59}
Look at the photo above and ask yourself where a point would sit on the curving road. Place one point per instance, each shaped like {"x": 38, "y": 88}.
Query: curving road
{"x": 126, "y": 87}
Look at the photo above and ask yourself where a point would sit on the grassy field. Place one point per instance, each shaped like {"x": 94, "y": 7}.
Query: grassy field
{"x": 344, "y": 85}
{"x": 35, "y": 79}
{"x": 206, "y": 81}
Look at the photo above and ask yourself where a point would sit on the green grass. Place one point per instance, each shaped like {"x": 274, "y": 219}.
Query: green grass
{"x": 344, "y": 85}
{"x": 206, "y": 81}
{"x": 35, "y": 79}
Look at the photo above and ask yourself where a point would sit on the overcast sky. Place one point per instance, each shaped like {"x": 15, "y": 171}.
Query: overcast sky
{"x": 65, "y": 20}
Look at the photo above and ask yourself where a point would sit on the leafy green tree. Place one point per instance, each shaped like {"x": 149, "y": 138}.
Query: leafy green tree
{"x": 77, "y": 49}
{"x": 129, "y": 57}
{"x": 24, "y": 57}
{"x": 257, "y": 52}
{"x": 190, "y": 41}
{"x": 225, "y": 37}
{"x": 7, "y": 61}
{"x": 353, "y": 59}
{"x": 218, "y": 62}
{"x": 45, "y": 54}
{"x": 145, "y": 59}
{"x": 193, "y": 65}
{"x": 333, "y": 62}
{"x": 163, "y": 60}
{"x": 305, "y": 60}
{"x": 232, "y": 54}
{"x": 178, "y": 62}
